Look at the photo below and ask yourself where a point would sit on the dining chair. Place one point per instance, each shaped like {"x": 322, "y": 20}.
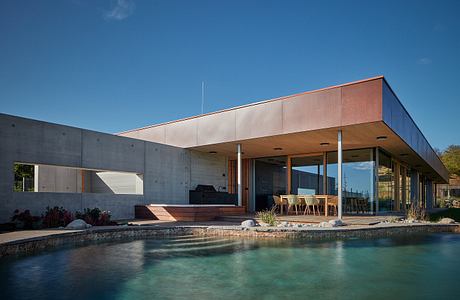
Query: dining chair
{"x": 292, "y": 201}
{"x": 284, "y": 202}
{"x": 333, "y": 201}
{"x": 278, "y": 202}
{"x": 302, "y": 203}
{"x": 310, "y": 200}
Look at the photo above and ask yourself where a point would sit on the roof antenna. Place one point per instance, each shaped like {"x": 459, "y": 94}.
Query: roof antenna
{"x": 202, "y": 97}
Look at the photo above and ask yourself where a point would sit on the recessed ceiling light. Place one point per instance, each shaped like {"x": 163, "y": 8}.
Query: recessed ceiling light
{"x": 381, "y": 138}
{"x": 212, "y": 152}
{"x": 277, "y": 149}
{"x": 324, "y": 144}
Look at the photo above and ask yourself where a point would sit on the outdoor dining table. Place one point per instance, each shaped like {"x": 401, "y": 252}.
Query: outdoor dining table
{"x": 284, "y": 201}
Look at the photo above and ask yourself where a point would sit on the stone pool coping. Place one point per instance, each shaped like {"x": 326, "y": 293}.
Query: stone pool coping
{"x": 38, "y": 240}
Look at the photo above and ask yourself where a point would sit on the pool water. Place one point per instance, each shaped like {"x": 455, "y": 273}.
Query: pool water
{"x": 191, "y": 267}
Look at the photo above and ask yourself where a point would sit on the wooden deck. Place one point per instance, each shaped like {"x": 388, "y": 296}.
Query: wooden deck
{"x": 189, "y": 212}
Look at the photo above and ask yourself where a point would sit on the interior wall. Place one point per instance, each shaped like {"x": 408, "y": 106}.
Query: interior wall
{"x": 209, "y": 169}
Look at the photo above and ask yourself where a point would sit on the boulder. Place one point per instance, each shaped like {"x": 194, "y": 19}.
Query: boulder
{"x": 447, "y": 221}
{"x": 78, "y": 224}
{"x": 336, "y": 223}
{"x": 248, "y": 223}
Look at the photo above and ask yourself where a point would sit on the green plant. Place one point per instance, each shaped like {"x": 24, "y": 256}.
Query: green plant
{"x": 268, "y": 216}
{"x": 453, "y": 213}
{"x": 451, "y": 159}
{"x": 416, "y": 212}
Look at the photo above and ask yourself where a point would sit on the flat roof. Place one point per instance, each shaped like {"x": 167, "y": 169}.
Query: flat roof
{"x": 253, "y": 104}
{"x": 300, "y": 123}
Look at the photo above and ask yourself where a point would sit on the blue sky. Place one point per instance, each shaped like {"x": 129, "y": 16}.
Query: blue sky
{"x": 113, "y": 65}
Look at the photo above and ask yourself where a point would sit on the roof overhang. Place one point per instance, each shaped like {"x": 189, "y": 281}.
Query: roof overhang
{"x": 298, "y": 124}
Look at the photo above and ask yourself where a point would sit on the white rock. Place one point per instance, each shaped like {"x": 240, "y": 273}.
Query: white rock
{"x": 78, "y": 224}
{"x": 248, "y": 223}
{"x": 336, "y": 223}
{"x": 284, "y": 224}
{"x": 325, "y": 224}
{"x": 446, "y": 221}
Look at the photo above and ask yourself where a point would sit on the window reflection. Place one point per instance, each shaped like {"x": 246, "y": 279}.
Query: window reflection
{"x": 270, "y": 179}
{"x": 358, "y": 179}
{"x": 307, "y": 175}
{"x": 386, "y": 184}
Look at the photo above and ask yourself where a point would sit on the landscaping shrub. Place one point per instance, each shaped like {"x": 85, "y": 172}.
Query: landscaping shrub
{"x": 56, "y": 217}
{"x": 95, "y": 217}
{"x": 453, "y": 213}
{"x": 267, "y": 216}
{"x": 416, "y": 212}
{"x": 24, "y": 220}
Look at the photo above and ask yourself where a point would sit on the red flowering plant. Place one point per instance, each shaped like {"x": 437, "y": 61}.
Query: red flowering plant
{"x": 95, "y": 217}
{"x": 25, "y": 220}
{"x": 56, "y": 217}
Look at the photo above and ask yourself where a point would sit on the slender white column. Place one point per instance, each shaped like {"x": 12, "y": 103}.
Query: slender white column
{"x": 239, "y": 176}
{"x": 339, "y": 172}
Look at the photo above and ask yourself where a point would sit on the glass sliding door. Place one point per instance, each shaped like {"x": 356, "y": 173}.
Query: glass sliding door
{"x": 358, "y": 180}
{"x": 386, "y": 184}
{"x": 307, "y": 175}
{"x": 269, "y": 180}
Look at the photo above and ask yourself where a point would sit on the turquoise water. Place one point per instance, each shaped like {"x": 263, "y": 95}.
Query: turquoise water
{"x": 187, "y": 267}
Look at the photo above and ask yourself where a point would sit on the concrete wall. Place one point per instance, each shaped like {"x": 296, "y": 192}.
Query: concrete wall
{"x": 116, "y": 183}
{"x": 56, "y": 179}
{"x": 166, "y": 169}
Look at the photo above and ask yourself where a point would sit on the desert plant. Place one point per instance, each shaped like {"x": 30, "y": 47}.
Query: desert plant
{"x": 268, "y": 216}
{"x": 56, "y": 217}
{"x": 25, "y": 220}
{"x": 416, "y": 212}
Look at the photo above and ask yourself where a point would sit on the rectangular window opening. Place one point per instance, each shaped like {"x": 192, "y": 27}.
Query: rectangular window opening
{"x": 60, "y": 179}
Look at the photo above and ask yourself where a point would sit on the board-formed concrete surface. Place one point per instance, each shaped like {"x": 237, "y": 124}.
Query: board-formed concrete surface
{"x": 167, "y": 170}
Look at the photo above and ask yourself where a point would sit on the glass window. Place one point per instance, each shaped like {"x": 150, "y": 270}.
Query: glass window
{"x": 386, "y": 186}
{"x": 358, "y": 179}
{"x": 307, "y": 175}
{"x": 270, "y": 179}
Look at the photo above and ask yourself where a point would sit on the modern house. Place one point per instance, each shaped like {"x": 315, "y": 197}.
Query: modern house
{"x": 354, "y": 140}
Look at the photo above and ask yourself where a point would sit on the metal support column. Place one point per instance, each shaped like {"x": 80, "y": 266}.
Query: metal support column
{"x": 339, "y": 172}
{"x": 239, "y": 176}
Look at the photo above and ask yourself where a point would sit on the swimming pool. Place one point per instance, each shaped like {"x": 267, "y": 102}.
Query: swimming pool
{"x": 193, "y": 267}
